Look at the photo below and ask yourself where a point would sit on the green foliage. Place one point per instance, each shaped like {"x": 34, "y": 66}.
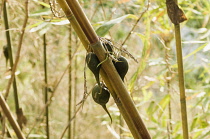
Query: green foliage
{"x": 106, "y": 26}
{"x": 152, "y": 82}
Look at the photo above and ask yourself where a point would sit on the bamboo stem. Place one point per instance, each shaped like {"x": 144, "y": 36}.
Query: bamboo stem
{"x": 10, "y": 58}
{"x": 46, "y": 88}
{"x": 113, "y": 77}
{"x": 19, "y": 111}
{"x": 85, "y": 42}
{"x": 70, "y": 78}
{"x": 177, "y": 16}
{"x": 168, "y": 85}
{"x": 83, "y": 21}
{"x": 75, "y": 94}
{"x": 11, "y": 119}
{"x": 181, "y": 82}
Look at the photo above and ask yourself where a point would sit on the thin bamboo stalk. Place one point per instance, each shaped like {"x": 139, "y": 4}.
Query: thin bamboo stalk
{"x": 10, "y": 57}
{"x": 46, "y": 88}
{"x": 11, "y": 119}
{"x": 12, "y": 80}
{"x": 70, "y": 82}
{"x": 75, "y": 94}
{"x": 168, "y": 85}
{"x": 181, "y": 82}
{"x": 169, "y": 125}
{"x": 111, "y": 72}
{"x": 177, "y": 16}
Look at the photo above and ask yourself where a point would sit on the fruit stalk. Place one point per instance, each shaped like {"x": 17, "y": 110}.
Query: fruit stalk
{"x": 114, "y": 83}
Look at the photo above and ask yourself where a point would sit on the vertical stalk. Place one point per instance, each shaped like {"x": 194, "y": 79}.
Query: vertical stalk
{"x": 168, "y": 85}
{"x": 10, "y": 57}
{"x": 181, "y": 82}
{"x": 121, "y": 126}
{"x": 177, "y": 16}
{"x": 20, "y": 117}
{"x": 169, "y": 108}
{"x": 46, "y": 87}
{"x": 70, "y": 86}
{"x": 75, "y": 94}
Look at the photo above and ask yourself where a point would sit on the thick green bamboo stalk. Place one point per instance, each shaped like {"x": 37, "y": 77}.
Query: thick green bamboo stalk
{"x": 110, "y": 70}
{"x": 85, "y": 42}
{"x": 181, "y": 82}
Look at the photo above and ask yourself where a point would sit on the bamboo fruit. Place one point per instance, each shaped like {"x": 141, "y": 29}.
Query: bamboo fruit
{"x": 110, "y": 76}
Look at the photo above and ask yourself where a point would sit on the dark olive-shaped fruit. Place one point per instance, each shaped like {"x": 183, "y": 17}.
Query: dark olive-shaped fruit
{"x": 93, "y": 64}
{"x": 121, "y": 66}
{"x": 108, "y": 46}
{"x": 101, "y": 96}
{"x": 6, "y": 52}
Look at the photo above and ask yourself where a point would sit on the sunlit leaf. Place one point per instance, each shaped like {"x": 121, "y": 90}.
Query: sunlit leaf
{"x": 41, "y": 12}
{"x": 45, "y": 29}
{"x": 42, "y": 3}
{"x": 163, "y": 103}
{"x": 194, "y": 123}
{"x": 106, "y": 26}
{"x": 62, "y": 22}
{"x": 197, "y": 133}
{"x": 195, "y": 51}
{"x": 40, "y": 26}
{"x": 35, "y": 25}
{"x": 145, "y": 54}
{"x": 152, "y": 108}
{"x": 37, "y": 136}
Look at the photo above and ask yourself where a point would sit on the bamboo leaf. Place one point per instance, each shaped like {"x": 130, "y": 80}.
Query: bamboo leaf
{"x": 152, "y": 108}
{"x": 145, "y": 54}
{"x": 197, "y": 134}
{"x": 106, "y": 26}
{"x": 192, "y": 53}
{"x": 45, "y": 29}
{"x": 164, "y": 102}
{"x": 194, "y": 123}
{"x": 39, "y": 27}
{"x": 42, "y": 3}
{"x": 36, "y": 24}
{"x": 62, "y": 22}
{"x": 41, "y": 12}
{"x": 195, "y": 51}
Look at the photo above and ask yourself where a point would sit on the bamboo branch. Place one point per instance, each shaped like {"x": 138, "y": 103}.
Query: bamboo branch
{"x": 112, "y": 79}
{"x": 11, "y": 119}
{"x": 137, "y": 21}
